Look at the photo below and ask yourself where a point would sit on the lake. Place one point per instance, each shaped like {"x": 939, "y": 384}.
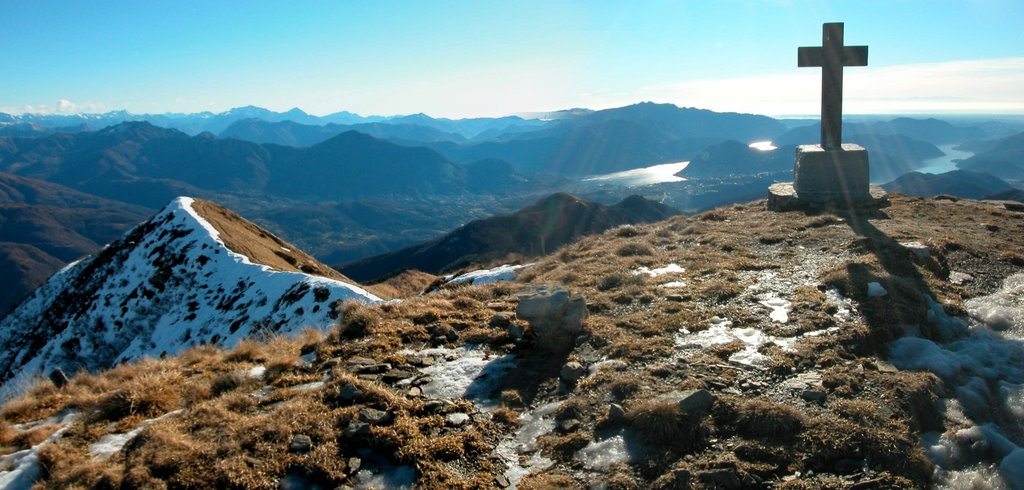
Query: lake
{"x": 655, "y": 174}
{"x": 945, "y": 163}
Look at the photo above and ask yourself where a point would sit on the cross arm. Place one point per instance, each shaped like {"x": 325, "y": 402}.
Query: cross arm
{"x": 815, "y": 56}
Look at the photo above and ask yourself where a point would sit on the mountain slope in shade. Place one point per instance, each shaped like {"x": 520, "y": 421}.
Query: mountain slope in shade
{"x": 735, "y": 158}
{"x": 550, "y": 223}
{"x": 961, "y": 183}
{"x": 44, "y": 226}
{"x": 174, "y": 281}
{"x": 23, "y": 268}
{"x": 1004, "y": 158}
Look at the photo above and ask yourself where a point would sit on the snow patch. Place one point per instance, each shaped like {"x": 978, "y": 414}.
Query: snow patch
{"x": 24, "y": 465}
{"x": 780, "y": 309}
{"x": 668, "y": 269}
{"x": 673, "y": 285}
{"x": 722, "y": 332}
{"x": 112, "y": 443}
{"x": 501, "y": 273}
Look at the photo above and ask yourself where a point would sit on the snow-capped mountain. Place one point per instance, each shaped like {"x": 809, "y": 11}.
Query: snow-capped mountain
{"x": 168, "y": 284}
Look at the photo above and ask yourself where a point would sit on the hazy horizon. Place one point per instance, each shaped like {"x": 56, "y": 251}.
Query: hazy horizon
{"x": 460, "y": 59}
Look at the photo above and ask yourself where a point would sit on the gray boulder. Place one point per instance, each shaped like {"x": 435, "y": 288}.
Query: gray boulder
{"x": 555, "y": 315}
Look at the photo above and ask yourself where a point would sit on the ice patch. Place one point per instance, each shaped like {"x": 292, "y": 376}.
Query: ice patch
{"x": 112, "y": 443}
{"x": 981, "y": 362}
{"x": 875, "y": 290}
{"x": 378, "y": 472}
{"x": 465, "y": 372}
{"x": 668, "y": 269}
{"x": 533, "y": 425}
{"x": 1003, "y": 310}
{"x": 484, "y": 276}
{"x": 602, "y": 455}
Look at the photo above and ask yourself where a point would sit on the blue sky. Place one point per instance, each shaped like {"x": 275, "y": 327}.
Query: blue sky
{"x": 486, "y": 58}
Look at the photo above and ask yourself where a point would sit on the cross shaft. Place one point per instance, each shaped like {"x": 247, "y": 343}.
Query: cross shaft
{"x": 832, "y": 56}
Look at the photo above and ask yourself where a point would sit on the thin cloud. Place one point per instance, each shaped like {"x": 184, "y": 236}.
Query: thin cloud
{"x": 978, "y": 86}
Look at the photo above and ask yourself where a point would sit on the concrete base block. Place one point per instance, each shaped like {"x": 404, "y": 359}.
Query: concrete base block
{"x": 783, "y": 197}
{"x": 831, "y": 176}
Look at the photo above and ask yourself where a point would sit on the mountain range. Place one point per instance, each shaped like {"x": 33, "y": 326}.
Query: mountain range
{"x": 143, "y": 164}
{"x": 960, "y": 183}
{"x": 536, "y": 230}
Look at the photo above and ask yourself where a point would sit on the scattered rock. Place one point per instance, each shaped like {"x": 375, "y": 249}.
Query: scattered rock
{"x": 572, "y": 371}
{"x": 457, "y": 419}
{"x": 301, "y": 444}
{"x": 354, "y": 464}
{"x": 58, "y": 378}
{"x": 356, "y": 428}
{"x": 616, "y": 412}
{"x": 721, "y": 478}
{"x": 1013, "y": 205}
{"x": 373, "y": 416}
{"x": 501, "y": 481}
{"x": 433, "y": 406}
{"x": 555, "y": 315}
{"x": 396, "y": 375}
{"x": 919, "y": 249}
{"x": 350, "y": 392}
{"x": 421, "y": 361}
{"x": 568, "y": 425}
{"x": 696, "y": 401}
{"x": 813, "y": 396}
{"x": 516, "y": 332}
{"x": 678, "y": 298}
{"x": 500, "y": 320}
{"x": 415, "y": 392}
{"x": 959, "y": 278}
{"x": 374, "y": 368}
{"x": 331, "y": 363}
{"x": 885, "y": 367}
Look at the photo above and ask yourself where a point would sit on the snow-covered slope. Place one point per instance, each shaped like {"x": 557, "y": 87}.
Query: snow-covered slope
{"x": 168, "y": 284}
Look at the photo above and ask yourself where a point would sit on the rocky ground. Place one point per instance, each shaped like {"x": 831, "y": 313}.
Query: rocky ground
{"x": 734, "y": 349}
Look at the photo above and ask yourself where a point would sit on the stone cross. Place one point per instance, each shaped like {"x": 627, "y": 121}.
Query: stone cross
{"x": 832, "y": 56}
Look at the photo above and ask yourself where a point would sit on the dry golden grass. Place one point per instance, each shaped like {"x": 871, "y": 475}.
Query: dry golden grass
{"x": 664, "y": 424}
{"x": 764, "y": 418}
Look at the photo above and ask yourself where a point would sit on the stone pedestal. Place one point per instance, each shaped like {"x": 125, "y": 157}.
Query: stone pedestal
{"x": 835, "y": 178}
